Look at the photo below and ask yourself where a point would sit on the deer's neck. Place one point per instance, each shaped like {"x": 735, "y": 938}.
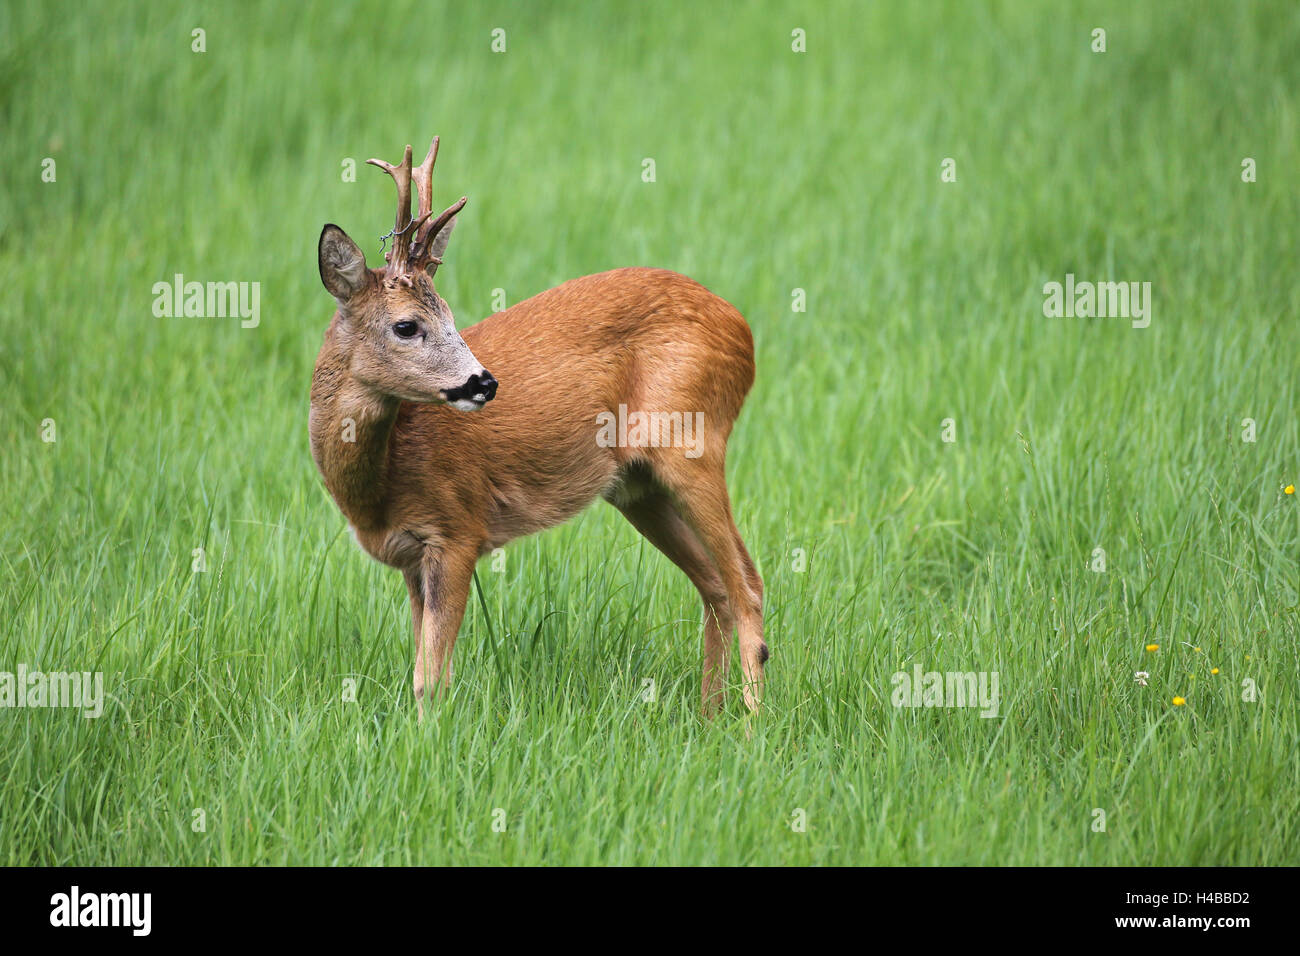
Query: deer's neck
{"x": 350, "y": 428}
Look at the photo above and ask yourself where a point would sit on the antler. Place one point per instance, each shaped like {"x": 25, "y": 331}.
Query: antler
{"x": 414, "y": 239}
{"x": 401, "y": 228}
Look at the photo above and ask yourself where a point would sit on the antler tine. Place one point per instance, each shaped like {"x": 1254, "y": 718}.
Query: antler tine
{"x": 401, "y": 229}
{"x": 422, "y": 252}
{"x": 424, "y": 185}
{"x": 431, "y": 232}
{"x": 423, "y": 176}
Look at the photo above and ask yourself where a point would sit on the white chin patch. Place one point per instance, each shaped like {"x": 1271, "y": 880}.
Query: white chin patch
{"x": 466, "y": 405}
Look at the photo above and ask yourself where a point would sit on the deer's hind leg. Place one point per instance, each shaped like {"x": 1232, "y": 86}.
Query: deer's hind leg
{"x": 654, "y": 515}
{"x": 699, "y": 493}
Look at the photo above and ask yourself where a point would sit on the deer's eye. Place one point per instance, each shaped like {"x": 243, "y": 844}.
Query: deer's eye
{"x": 406, "y": 330}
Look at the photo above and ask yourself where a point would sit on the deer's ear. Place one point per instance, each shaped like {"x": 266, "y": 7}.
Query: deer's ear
{"x": 439, "y": 245}
{"x": 342, "y": 263}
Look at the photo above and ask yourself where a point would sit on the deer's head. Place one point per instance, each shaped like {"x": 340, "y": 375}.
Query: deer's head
{"x": 398, "y": 334}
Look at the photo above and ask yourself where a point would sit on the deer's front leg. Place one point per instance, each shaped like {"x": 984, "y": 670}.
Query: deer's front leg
{"x": 444, "y": 579}
{"x": 415, "y": 591}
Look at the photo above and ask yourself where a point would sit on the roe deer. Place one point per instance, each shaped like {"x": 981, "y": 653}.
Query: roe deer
{"x": 428, "y": 488}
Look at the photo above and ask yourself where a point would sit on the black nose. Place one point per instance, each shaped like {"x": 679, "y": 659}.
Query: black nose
{"x": 479, "y": 388}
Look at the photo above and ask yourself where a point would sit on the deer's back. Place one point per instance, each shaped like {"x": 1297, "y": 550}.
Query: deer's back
{"x": 647, "y": 339}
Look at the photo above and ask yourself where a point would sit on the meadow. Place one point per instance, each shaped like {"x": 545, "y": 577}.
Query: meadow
{"x": 930, "y": 472}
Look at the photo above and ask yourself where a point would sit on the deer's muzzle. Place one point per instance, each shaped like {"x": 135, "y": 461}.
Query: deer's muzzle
{"x": 480, "y": 389}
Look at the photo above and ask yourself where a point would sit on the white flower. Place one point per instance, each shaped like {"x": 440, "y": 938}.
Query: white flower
{"x": 1141, "y": 677}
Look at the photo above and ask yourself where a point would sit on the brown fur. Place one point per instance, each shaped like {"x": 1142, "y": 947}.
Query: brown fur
{"x": 428, "y": 488}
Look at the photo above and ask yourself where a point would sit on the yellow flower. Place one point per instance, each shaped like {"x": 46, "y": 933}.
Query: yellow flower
{"x": 1178, "y": 701}
{"x": 1289, "y": 489}
{"x": 1214, "y": 670}
{"x": 1196, "y": 649}
{"x": 1153, "y": 647}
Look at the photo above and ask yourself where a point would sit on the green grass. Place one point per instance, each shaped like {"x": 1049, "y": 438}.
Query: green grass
{"x": 775, "y": 171}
